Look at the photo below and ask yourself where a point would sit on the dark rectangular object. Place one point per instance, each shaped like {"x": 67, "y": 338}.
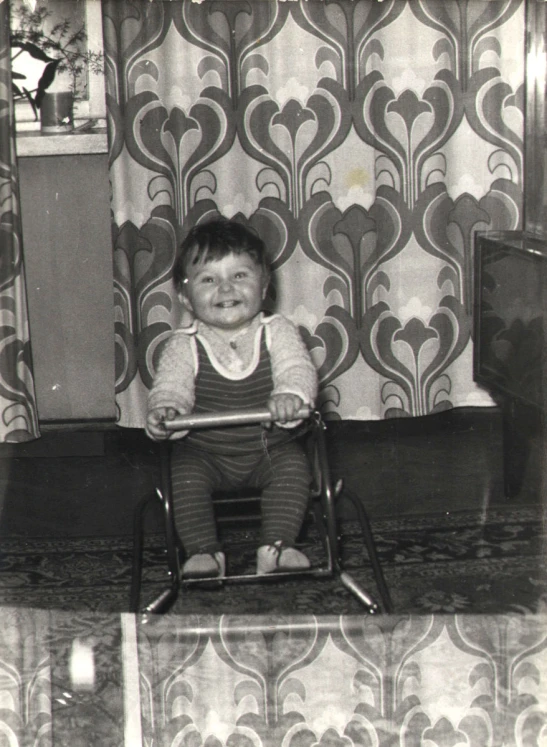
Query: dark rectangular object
{"x": 510, "y": 313}
{"x": 68, "y": 266}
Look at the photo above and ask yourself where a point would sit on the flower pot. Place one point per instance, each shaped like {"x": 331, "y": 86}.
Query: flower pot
{"x": 56, "y": 113}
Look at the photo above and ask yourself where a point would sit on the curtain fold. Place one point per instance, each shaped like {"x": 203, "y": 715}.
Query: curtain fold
{"x": 18, "y": 413}
{"x": 26, "y": 716}
{"x": 366, "y": 141}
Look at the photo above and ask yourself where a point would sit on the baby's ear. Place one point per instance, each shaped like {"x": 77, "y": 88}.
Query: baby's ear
{"x": 187, "y": 314}
{"x": 186, "y": 318}
{"x": 265, "y": 284}
{"x": 185, "y": 301}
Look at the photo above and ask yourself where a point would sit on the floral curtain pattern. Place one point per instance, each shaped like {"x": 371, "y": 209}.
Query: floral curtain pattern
{"x": 25, "y": 677}
{"x": 365, "y": 141}
{"x": 18, "y": 413}
{"x": 263, "y": 681}
{"x": 348, "y": 681}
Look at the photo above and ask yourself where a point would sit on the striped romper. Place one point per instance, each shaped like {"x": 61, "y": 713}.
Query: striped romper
{"x": 229, "y": 458}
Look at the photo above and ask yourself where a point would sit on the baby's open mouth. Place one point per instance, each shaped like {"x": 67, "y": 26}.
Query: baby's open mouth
{"x": 227, "y": 304}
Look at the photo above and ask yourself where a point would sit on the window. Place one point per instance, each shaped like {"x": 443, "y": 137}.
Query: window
{"x": 80, "y": 13}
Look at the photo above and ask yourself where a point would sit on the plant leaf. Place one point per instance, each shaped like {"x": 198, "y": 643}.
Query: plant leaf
{"x": 34, "y": 51}
{"x": 48, "y": 76}
{"x": 30, "y": 99}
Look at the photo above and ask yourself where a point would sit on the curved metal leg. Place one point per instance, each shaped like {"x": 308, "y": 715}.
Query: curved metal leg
{"x": 328, "y": 498}
{"x": 324, "y": 507}
{"x": 164, "y": 600}
{"x": 165, "y": 496}
{"x": 138, "y": 547}
{"x": 371, "y": 549}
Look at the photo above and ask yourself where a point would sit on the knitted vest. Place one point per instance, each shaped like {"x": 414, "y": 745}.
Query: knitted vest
{"x": 215, "y": 393}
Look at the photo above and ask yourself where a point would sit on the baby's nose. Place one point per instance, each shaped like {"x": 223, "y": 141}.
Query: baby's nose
{"x": 225, "y": 285}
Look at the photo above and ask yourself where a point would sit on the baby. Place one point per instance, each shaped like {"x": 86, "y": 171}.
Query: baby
{"x": 229, "y": 355}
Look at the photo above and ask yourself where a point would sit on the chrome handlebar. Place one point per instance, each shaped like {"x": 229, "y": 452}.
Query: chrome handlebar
{"x": 235, "y": 417}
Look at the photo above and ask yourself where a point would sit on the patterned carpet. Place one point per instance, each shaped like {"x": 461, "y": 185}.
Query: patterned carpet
{"x": 454, "y": 562}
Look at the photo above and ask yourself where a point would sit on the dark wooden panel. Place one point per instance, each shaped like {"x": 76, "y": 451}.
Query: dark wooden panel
{"x": 511, "y": 306}
{"x": 510, "y": 344}
{"x": 68, "y": 261}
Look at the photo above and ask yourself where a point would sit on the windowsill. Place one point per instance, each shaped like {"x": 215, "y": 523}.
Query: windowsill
{"x": 33, "y": 143}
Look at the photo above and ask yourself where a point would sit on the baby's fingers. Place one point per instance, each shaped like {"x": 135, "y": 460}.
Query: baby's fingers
{"x": 170, "y": 413}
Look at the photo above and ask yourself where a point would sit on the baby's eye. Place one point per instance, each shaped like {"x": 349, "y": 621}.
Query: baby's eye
{"x": 241, "y": 274}
{"x": 207, "y": 279}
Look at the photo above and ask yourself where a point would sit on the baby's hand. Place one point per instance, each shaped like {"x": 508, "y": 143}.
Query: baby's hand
{"x": 284, "y": 407}
{"x": 155, "y": 420}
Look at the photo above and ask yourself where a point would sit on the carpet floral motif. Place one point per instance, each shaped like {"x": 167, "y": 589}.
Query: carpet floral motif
{"x": 458, "y": 562}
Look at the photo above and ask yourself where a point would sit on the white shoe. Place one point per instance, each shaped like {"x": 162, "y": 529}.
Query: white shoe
{"x": 271, "y": 558}
{"x": 205, "y": 565}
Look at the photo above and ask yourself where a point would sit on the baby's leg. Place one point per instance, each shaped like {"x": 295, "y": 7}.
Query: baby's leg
{"x": 194, "y": 477}
{"x": 285, "y": 477}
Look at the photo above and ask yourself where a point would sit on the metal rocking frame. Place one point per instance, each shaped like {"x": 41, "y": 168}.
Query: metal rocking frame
{"x": 323, "y": 498}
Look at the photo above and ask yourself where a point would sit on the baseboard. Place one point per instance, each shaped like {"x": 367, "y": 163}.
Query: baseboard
{"x": 453, "y": 421}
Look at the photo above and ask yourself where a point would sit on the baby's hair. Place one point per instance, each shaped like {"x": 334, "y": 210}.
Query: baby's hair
{"x": 211, "y": 241}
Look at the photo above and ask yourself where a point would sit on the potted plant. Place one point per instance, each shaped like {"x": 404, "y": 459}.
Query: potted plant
{"x": 65, "y": 61}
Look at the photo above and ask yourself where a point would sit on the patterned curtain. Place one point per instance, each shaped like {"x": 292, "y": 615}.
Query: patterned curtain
{"x": 340, "y": 682}
{"x": 18, "y": 414}
{"x": 366, "y": 141}
{"x": 296, "y": 681}
{"x": 26, "y": 639}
